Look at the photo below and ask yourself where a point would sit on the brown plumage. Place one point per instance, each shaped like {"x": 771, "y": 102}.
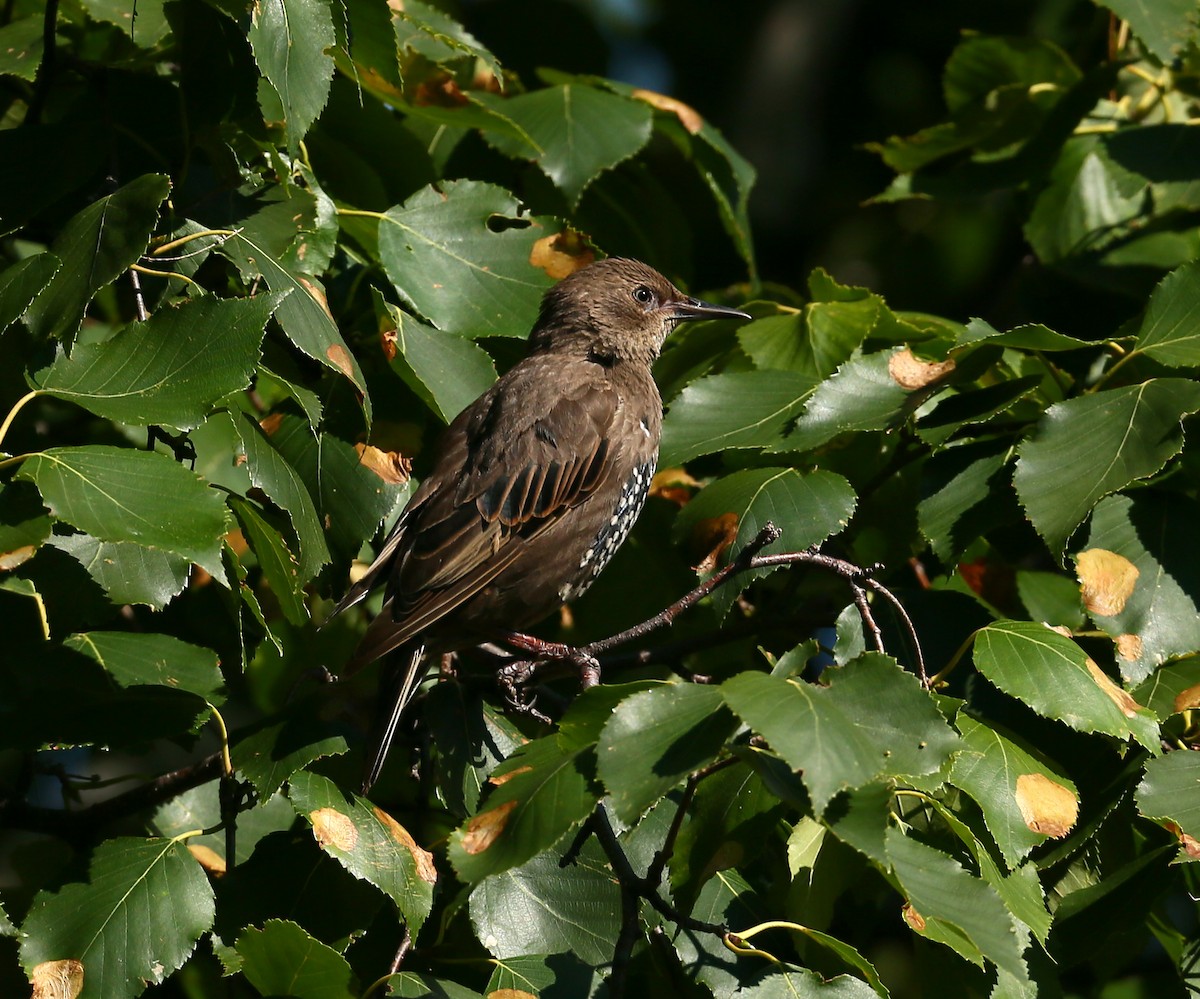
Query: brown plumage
{"x": 535, "y": 484}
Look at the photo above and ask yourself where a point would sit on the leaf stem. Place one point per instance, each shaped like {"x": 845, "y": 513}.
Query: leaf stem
{"x": 945, "y": 671}
{"x": 12, "y": 413}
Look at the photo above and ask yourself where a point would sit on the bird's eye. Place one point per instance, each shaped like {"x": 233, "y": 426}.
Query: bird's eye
{"x": 643, "y": 295}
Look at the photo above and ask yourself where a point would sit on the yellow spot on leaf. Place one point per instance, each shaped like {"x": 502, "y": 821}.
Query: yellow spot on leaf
{"x": 712, "y": 537}
{"x": 674, "y": 485}
{"x": 510, "y": 994}
{"x": 913, "y": 918}
{"x": 1185, "y": 700}
{"x": 339, "y": 357}
{"x": 485, "y": 827}
{"x": 505, "y": 778}
{"x": 1046, "y": 806}
{"x": 1129, "y": 647}
{"x": 12, "y": 559}
{"x": 910, "y": 372}
{"x": 208, "y": 858}
{"x": 426, "y": 870}
{"x": 561, "y": 255}
{"x": 1119, "y": 697}
{"x": 1106, "y": 580}
{"x": 687, "y": 115}
{"x": 270, "y": 424}
{"x": 317, "y": 294}
{"x": 334, "y": 828}
{"x": 390, "y": 466}
{"x": 57, "y": 979}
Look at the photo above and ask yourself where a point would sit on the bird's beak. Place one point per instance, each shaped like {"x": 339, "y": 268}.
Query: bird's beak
{"x": 693, "y": 308}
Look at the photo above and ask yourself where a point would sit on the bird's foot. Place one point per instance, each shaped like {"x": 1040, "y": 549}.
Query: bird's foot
{"x": 513, "y": 679}
{"x": 521, "y": 673}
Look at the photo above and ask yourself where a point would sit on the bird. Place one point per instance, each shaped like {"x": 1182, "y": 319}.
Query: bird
{"x": 533, "y": 488}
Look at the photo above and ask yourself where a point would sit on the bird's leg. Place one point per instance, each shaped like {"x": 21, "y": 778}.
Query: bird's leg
{"x": 522, "y": 672}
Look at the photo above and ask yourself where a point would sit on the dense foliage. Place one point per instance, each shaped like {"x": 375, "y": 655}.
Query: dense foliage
{"x": 254, "y": 258}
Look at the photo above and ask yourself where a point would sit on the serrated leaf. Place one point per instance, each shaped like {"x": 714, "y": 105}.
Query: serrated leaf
{"x": 543, "y": 796}
{"x": 461, "y": 256}
{"x": 1165, "y": 26}
{"x": 863, "y": 394}
{"x": 351, "y": 497}
{"x": 1029, "y": 336}
{"x": 94, "y": 247}
{"x": 657, "y": 737}
{"x": 432, "y": 32}
{"x": 731, "y": 409}
{"x": 304, "y": 314}
{"x": 271, "y": 755}
{"x": 279, "y": 567}
{"x": 21, "y": 53}
{"x": 807, "y": 508}
{"x": 135, "y": 920}
{"x": 20, "y": 283}
{"x": 446, "y": 370}
{"x": 129, "y": 573}
{"x": 171, "y": 369}
{"x": 368, "y": 842}
{"x": 271, "y": 473}
{"x": 962, "y": 485}
{"x": 282, "y": 959}
{"x": 542, "y": 907}
{"x": 1172, "y": 688}
{"x": 1131, "y": 433}
{"x": 1170, "y": 792}
{"x": 871, "y": 719}
{"x": 1055, "y": 677}
{"x": 117, "y": 494}
{"x": 978, "y": 924}
{"x": 131, "y": 658}
{"x": 1160, "y": 619}
{"x": 24, "y": 525}
{"x": 290, "y": 39}
{"x": 580, "y": 132}
{"x": 1168, "y": 332}
{"x": 1024, "y": 801}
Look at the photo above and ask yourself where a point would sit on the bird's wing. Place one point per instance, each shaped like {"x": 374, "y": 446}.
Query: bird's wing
{"x": 506, "y": 472}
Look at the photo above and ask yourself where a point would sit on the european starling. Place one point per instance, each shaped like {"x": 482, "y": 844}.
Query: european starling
{"x": 535, "y": 484}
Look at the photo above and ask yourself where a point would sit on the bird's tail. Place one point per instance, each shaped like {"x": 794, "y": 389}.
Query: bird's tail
{"x": 401, "y": 677}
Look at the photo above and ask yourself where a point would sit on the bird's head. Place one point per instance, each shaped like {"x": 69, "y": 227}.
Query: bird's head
{"x": 617, "y": 308}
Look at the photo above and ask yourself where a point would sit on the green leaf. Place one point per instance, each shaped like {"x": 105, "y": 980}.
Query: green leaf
{"x": 1168, "y": 332}
{"x": 446, "y": 370}
{"x": 1131, "y": 432}
{"x": 867, "y": 719}
{"x": 279, "y": 567}
{"x": 135, "y": 920}
{"x": 132, "y": 659}
{"x": 1029, "y": 336}
{"x": 20, "y": 283}
{"x": 461, "y": 256}
{"x": 546, "y": 796}
{"x": 304, "y": 314}
{"x": 290, "y": 40}
{"x": 1165, "y": 26}
{"x": 807, "y": 508}
{"x": 657, "y": 737}
{"x": 962, "y": 486}
{"x": 1172, "y": 688}
{"x": 1170, "y": 792}
{"x": 271, "y": 473}
{"x": 24, "y": 525}
{"x": 732, "y": 409}
{"x": 281, "y": 959}
{"x": 580, "y": 132}
{"x": 96, "y": 246}
{"x": 171, "y": 369}
{"x": 117, "y": 494}
{"x": 129, "y": 572}
{"x": 1156, "y": 533}
{"x": 1024, "y": 801}
{"x": 1055, "y": 677}
{"x": 980, "y": 64}
{"x": 200, "y": 808}
{"x": 273, "y": 754}
{"x": 959, "y": 909}
{"x": 351, "y": 497}
{"x": 544, "y": 908}
{"x": 973, "y": 406}
{"x": 863, "y": 394}
{"x": 369, "y": 843}
{"x": 21, "y": 50}
{"x": 433, "y": 33}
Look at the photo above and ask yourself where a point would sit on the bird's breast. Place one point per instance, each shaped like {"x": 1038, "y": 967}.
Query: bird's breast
{"x": 613, "y": 531}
